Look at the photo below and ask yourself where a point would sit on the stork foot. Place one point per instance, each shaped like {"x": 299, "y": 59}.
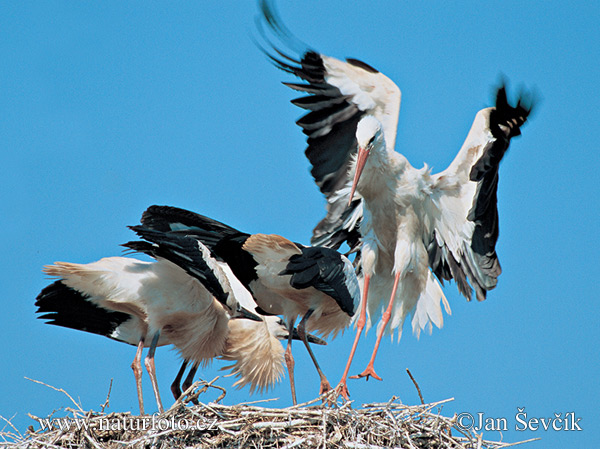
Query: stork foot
{"x": 368, "y": 372}
{"x": 342, "y": 389}
{"x": 325, "y": 387}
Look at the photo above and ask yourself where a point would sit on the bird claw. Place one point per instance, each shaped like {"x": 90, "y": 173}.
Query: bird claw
{"x": 328, "y": 393}
{"x": 368, "y": 372}
{"x": 342, "y": 390}
{"x": 325, "y": 387}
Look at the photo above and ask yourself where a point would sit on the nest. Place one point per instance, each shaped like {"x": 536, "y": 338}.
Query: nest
{"x": 311, "y": 425}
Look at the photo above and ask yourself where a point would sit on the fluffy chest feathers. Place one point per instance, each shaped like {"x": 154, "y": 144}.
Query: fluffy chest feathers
{"x": 394, "y": 194}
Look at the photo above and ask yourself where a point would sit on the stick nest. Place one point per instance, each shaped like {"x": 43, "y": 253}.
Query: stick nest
{"x": 311, "y": 425}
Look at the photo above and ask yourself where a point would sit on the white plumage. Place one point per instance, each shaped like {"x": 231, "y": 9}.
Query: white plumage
{"x": 285, "y": 278}
{"x": 160, "y": 299}
{"x": 254, "y": 347}
{"x": 410, "y": 228}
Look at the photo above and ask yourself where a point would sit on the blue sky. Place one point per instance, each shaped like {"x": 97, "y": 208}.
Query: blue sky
{"x": 110, "y": 107}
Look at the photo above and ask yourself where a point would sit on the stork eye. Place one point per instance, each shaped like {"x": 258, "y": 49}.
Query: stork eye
{"x": 371, "y": 141}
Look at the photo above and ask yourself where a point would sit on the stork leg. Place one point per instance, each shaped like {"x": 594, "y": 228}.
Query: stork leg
{"x": 149, "y": 362}
{"x": 189, "y": 380}
{"x": 175, "y": 389}
{"x": 362, "y": 319}
{"x": 289, "y": 361}
{"x": 136, "y": 366}
{"x": 370, "y": 369}
{"x": 325, "y": 386}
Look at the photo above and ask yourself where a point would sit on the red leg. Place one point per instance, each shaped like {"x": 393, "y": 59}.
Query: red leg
{"x": 370, "y": 370}
{"x": 136, "y": 366}
{"x": 360, "y": 325}
{"x": 289, "y": 361}
{"x": 149, "y": 362}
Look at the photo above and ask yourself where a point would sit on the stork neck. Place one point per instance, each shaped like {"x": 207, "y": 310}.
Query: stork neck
{"x": 381, "y": 172}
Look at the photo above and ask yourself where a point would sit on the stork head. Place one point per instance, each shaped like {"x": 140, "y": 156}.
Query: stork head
{"x": 369, "y": 133}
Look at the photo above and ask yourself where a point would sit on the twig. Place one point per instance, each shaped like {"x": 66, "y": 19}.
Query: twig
{"x": 519, "y": 442}
{"x": 107, "y": 403}
{"x": 8, "y": 421}
{"x": 416, "y": 385}
{"x": 322, "y": 397}
{"x": 145, "y": 438}
{"x": 294, "y": 444}
{"x": 280, "y": 424}
{"x": 57, "y": 389}
{"x": 45, "y": 444}
{"x": 206, "y": 386}
{"x": 91, "y": 441}
{"x": 258, "y": 402}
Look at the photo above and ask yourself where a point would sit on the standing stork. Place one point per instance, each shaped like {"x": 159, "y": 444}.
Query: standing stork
{"x": 253, "y": 345}
{"x": 407, "y": 224}
{"x": 285, "y": 278}
{"x": 129, "y": 300}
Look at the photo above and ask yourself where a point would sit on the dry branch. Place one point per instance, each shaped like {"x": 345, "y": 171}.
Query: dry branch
{"x": 379, "y": 425}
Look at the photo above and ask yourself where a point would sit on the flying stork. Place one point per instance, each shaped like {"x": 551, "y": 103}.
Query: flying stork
{"x": 285, "y": 278}
{"x": 411, "y": 229}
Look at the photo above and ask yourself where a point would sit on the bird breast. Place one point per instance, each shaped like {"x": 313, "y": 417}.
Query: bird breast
{"x": 197, "y": 336}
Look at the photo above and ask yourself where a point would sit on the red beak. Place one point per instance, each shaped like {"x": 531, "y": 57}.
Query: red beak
{"x": 363, "y": 154}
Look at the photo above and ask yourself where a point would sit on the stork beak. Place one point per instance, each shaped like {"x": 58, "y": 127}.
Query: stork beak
{"x": 361, "y": 159}
{"x": 246, "y": 314}
{"x": 310, "y": 338}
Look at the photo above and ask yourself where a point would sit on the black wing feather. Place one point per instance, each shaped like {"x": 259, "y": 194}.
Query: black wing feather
{"x": 323, "y": 269}
{"x": 66, "y": 307}
{"x": 483, "y": 269}
{"x": 225, "y": 243}
{"x": 184, "y": 252}
{"x": 330, "y": 126}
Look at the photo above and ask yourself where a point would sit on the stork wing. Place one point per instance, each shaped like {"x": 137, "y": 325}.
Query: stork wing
{"x": 224, "y": 242}
{"x": 463, "y": 208}
{"x": 64, "y": 306}
{"x": 188, "y": 254}
{"x": 325, "y": 270}
{"x": 270, "y": 249}
{"x": 173, "y": 219}
{"x": 339, "y": 94}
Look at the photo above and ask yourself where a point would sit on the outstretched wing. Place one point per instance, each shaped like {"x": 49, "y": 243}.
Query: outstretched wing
{"x": 463, "y": 207}
{"x": 339, "y": 94}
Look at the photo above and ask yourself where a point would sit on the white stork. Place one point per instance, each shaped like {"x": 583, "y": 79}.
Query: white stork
{"x": 408, "y": 225}
{"x": 253, "y": 347}
{"x": 285, "y": 278}
{"x": 129, "y": 300}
